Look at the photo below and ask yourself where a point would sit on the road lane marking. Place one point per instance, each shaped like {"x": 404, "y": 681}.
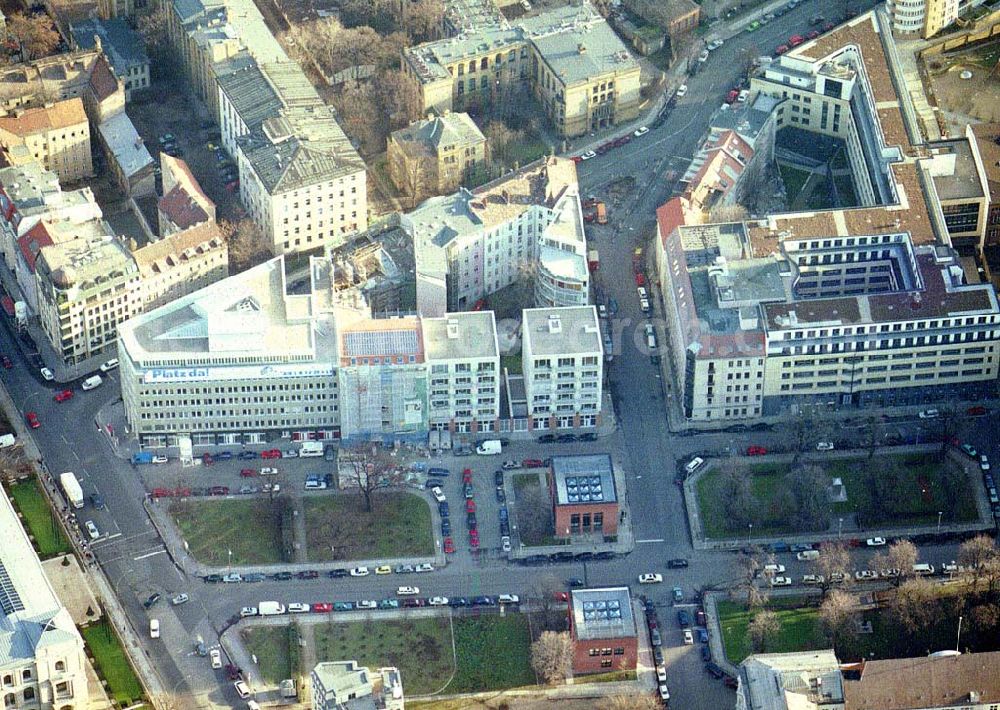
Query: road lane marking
{"x": 640, "y": 542}
{"x": 150, "y": 554}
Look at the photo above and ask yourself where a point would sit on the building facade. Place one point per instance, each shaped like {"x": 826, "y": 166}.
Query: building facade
{"x": 56, "y": 135}
{"x": 44, "y": 665}
{"x": 987, "y": 139}
{"x": 584, "y": 497}
{"x": 563, "y": 361}
{"x": 602, "y": 626}
{"x": 345, "y": 684}
{"x": 436, "y": 155}
{"x": 181, "y": 263}
{"x": 123, "y": 46}
{"x": 925, "y": 18}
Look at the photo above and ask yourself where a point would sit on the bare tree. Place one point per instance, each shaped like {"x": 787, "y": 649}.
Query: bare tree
{"x": 152, "y": 25}
{"x": 913, "y": 604}
{"x": 501, "y": 140}
{"x": 645, "y": 701}
{"x": 901, "y": 555}
{"x": 834, "y": 561}
{"x": 837, "y": 614}
{"x": 738, "y": 500}
{"x": 874, "y": 430}
{"x": 552, "y": 656}
{"x": 399, "y": 98}
{"x": 370, "y": 470}
{"x": 422, "y": 19}
{"x": 34, "y": 34}
{"x": 985, "y": 617}
{"x": 811, "y": 510}
{"x": 247, "y": 246}
{"x": 750, "y": 564}
{"x": 947, "y": 424}
{"x": 764, "y": 626}
{"x": 974, "y": 555}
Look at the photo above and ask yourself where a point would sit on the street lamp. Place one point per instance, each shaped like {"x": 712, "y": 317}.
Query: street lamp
{"x": 230, "y": 565}
{"x": 939, "y": 521}
{"x": 749, "y": 533}
{"x": 840, "y": 527}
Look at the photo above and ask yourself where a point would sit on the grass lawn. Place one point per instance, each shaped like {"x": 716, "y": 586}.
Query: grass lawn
{"x": 845, "y": 188}
{"x": 208, "y": 527}
{"x": 339, "y": 528}
{"x": 109, "y": 657}
{"x": 512, "y": 363}
{"x": 794, "y": 179}
{"x": 30, "y": 501}
{"x": 493, "y": 653}
{"x": 523, "y": 481}
{"x": 920, "y": 476}
{"x": 420, "y": 648}
{"x": 799, "y": 628}
{"x": 270, "y": 644}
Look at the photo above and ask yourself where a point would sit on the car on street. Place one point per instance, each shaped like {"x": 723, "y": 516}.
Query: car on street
{"x": 438, "y": 495}
{"x": 813, "y": 579}
{"x": 640, "y": 131}
{"x": 467, "y": 490}
{"x": 875, "y": 541}
{"x": 366, "y": 604}
{"x": 774, "y": 568}
{"x": 151, "y": 600}
{"x": 863, "y": 574}
{"x": 449, "y": 546}
{"x": 703, "y": 56}
{"x": 179, "y": 599}
{"x": 501, "y": 495}
{"x": 467, "y": 475}
{"x": 505, "y": 543}
{"x": 984, "y": 462}
{"x": 714, "y": 44}
{"x": 308, "y": 574}
{"x": 824, "y": 446}
{"x": 755, "y": 450}
{"x": 424, "y": 567}
{"x": 545, "y": 439}
{"x": 298, "y": 608}
{"x": 678, "y": 594}
{"x": 969, "y": 450}
{"x": 588, "y": 155}
{"x": 232, "y": 578}
{"x": 271, "y": 454}
{"x": 677, "y": 563}
{"x": 215, "y": 658}
{"x": 246, "y": 455}
{"x": 688, "y": 637}
{"x": 64, "y": 396}
{"x": 97, "y": 500}
{"x": 383, "y": 569}
{"x": 360, "y": 572}
{"x": 388, "y": 604}
{"x": 212, "y": 578}
{"x": 781, "y": 581}
{"x": 650, "y": 578}
{"x": 532, "y": 463}
{"x": 92, "y": 532}
{"x": 438, "y": 601}
{"x": 929, "y": 414}
{"x": 507, "y": 465}
{"x": 47, "y": 374}
{"x": 683, "y": 619}
{"x": 32, "y": 420}
{"x": 242, "y": 689}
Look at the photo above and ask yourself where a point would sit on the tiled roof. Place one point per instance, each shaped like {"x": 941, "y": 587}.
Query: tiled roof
{"x": 102, "y": 79}
{"x": 199, "y": 239}
{"x": 61, "y": 114}
{"x": 123, "y": 45}
{"x": 968, "y": 680}
{"x": 32, "y": 242}
{"x": 181, "y": 209}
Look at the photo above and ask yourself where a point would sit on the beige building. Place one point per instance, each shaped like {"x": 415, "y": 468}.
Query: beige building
{"x": 582, "y": 74}
{"x": 181, "y": 263}
{"x": 435, "y": 155}
{"x": 56, "y": 135}
{"x": 43, "y": 665}
{"x": 184, "y": 204}
{"x": 345, "y": 684}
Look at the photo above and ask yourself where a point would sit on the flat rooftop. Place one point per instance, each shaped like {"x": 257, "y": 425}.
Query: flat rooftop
{"x": 954, "y": 170}
{"x": 471, "y": 334}
{"x": 584, "y": 480}
{"x": 602, "y": 613}
{"x": 561, "y": 331}
{"x": 926, "y": 682}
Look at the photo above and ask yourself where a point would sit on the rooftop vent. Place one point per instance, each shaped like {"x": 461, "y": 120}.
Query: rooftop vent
{"x": 555, "y": 325}
{"x": 452, "y": 329}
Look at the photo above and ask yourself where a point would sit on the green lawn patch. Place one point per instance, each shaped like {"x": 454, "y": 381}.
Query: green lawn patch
{"x": 42, "y": 525}
{"x": 112, "y": 664}
{"x": 419, "y": 648}
{"x": 339, "y": 528}
{"x": 210, "y": 529}
{"x": 512, "y": 363}
{"x": 794, "y": 180}
{"x": 800, "y": 629}
{"x": 494, "y": 653}
{"x": 523, "y": 481}
{"x": 270, "y": 644}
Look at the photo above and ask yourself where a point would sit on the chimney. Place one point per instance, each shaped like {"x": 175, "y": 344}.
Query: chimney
{"x": 581, "y": 48}
{"x": 452, "y": 329}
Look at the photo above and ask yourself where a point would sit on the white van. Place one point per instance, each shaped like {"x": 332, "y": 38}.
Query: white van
{"x": 92, "y": 382}
{"x": 110, "y": 365}
{"x": 693, "y": 465}
{"x": 490, "y": 447}
{"x": 154, "y": 628}
{"x": 807, "y": 555}
{"x": 311, "y": 448}
{"x": 923, "y": 569}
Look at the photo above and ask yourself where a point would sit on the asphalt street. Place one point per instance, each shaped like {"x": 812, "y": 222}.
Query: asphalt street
{"x": 134, "y": 558}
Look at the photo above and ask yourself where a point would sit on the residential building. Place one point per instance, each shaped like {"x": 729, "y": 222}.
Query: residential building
{"x": 935, "y": 682}
{"x": 86, "y": 288}
{"x": 57, "y": 135}
{"x": 345, "y": 684}
{"x": 436, "y": 155}
{"x": 580, "y": 71}
{"x": 584, "y": 498}
{"x": 807, "y": 680}
{"x": 925, "y": 18}
{"x": 469, "y": 244}
{"x": 675, "y": 17}
{"x": 987, "y": 139}
{"x": 84, "y": 73}
{"x": 127, "y": 155}
{"x": 961, "y": 188}
{"x": 181, "y": 263}
{"x": 848, "y": 307}
{"x": 563, "y": 361}
{"x": 43, "y": 664}
{"x": 602, "y": 626}
{"x": 464, "y": 357}
{"x": 123, "y": 46}
{"x": 184, "y": 204}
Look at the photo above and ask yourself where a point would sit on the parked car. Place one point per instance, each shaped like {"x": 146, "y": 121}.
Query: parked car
{"x": 64, "y": 396}
{"x": 875, "y": 541}
{"x": 151, "y": 600}
{"x": 650, "y": 578}
{"x": 677, "y": 563}
{"x": 360, "y": 572}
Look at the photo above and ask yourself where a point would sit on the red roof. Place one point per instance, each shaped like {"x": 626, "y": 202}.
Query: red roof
{"x": 32, "y": 242}
{"x": 181, "y": 209}
{"x": 102, "y": 79}
{"x": 669, "y": 216}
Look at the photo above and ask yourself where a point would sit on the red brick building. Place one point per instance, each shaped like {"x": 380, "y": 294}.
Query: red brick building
{"x": 602, "y": 626}
{"x": 584, "y": 499}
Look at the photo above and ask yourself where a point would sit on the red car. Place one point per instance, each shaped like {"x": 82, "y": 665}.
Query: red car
{"x": 576, "y": 159}
{"x": 560, "y": 596}
{"x": 7, "y": 364}
{"x": 640, "y": 280}
{"x": 322, "y": 607}
{"x": 207, "y": 459}
{"x": 473, "y": 540}
{"x": 756, "y": 451}
{"x": 532, "y": 463}
{"x": 470, "y": 506}
{"x": 781, "y": 49}
{"x": 219, "y": 490}
{"x": 976, "y": 411}
{"x": 247, "y": 473}
{"x": 827, "y": 26}
{"x": 796, "y": 40}
{"x": 32, "y": 419}
{"x": 64, "y": 395}
{"x": 162, "y": 493}
{"x": 467, "y": 476}
{"x": 812, "y": 34}
{"x": 271, "y": 454}
{"x": 449, "y": 546}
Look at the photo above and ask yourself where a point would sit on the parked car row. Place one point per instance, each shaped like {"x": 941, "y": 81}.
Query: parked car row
{"x": 566, "y": 557}
{"x": 410, "y": 601}
{"x": 341, "y": 572}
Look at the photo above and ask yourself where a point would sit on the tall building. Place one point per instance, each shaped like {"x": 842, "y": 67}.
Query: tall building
{"x": 563, "y": 364}
{"x": 582, "y": 74}
{"x": 469, "y": 244}
{"x": 56, "y": 135}
{"x": 346, "y": 685}
{"x": 925, "y": 18}
{"x": 42, "y": 658}
{"x": 844, "y": 307}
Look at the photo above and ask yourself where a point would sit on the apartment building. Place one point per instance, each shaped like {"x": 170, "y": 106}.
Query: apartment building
{"x": 183, "y": 204}
{"x": 925, "y": 18}
{"x": 464, "y": 358}
{"x": 128, "y": 157}
{"x": 563, "y": 362}
{"x": 582, "y": 74}
{"x": 968, "y": 681}
{"x": 807, "y": 680}
{"x": 603, "y": 628}
{"x": 181, "y": 263}
{"x": 469, "y": 244}
{"x": 123, "y": 46}
{"x": 43, "y": 665}
{"x": 345, "y": 684}
{"x": 436, "y": 155}
{"x": 842, "y": 307}
{"x": 57, "y": 135}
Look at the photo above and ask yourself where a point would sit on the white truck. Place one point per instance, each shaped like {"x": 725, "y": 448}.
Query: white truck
{"x": 490, "y": 447}
{"x": 311, "y": 448}
{"x": 270, "y": 608}
{"x": 71, "y": 487}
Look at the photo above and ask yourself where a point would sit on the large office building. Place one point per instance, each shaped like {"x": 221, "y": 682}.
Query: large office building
{"x": 470, "y": 244}
{"x": 582, "y": 74}
{"x": 842, "y": 307}
{"x": 43, "y": 665}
